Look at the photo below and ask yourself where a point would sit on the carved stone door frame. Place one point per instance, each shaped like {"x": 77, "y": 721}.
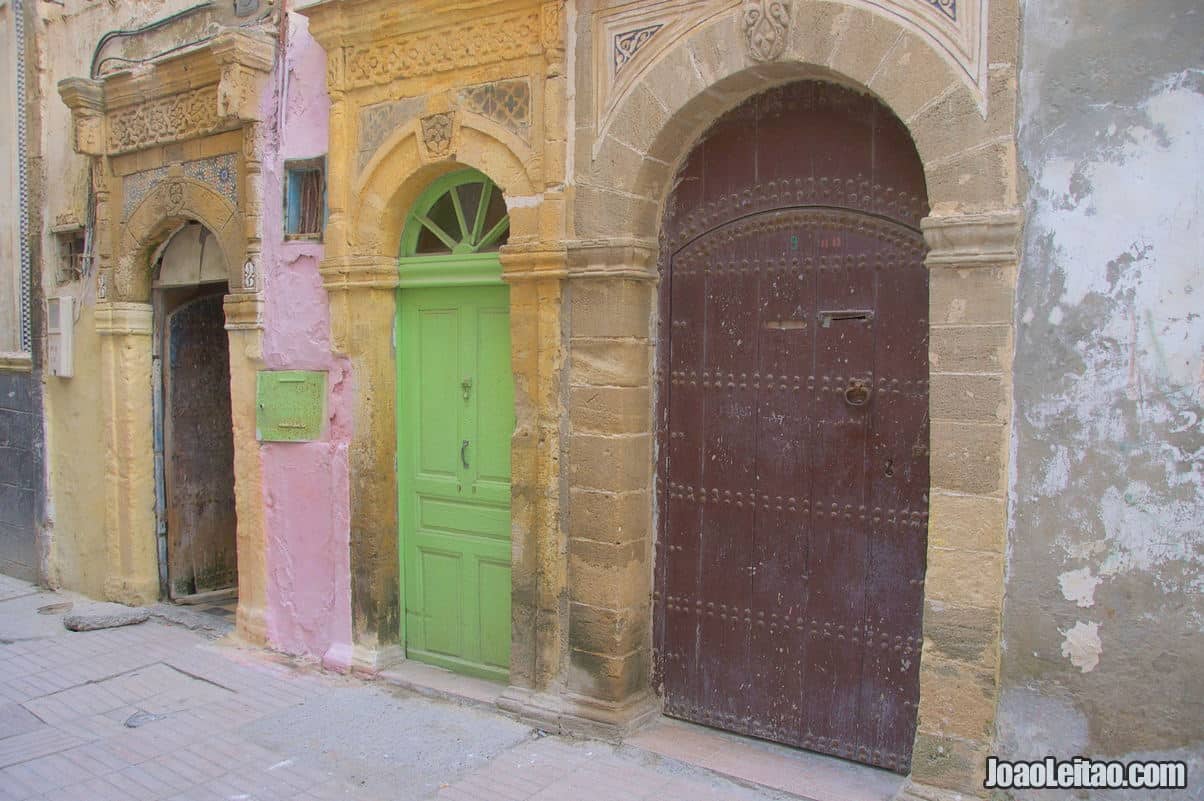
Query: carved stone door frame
{"x": 181, "y": 141}
{"x": 407, "y": 107}
{"x": 686, "y": 63}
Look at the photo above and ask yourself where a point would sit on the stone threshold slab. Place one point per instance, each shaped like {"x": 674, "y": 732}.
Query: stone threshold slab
{"x": 809, "y": 776}
{"x": 805, "y": 775}
{"x": 436, "y": 682}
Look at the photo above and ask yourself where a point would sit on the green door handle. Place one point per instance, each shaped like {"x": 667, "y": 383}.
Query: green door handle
{"x": 464, "y": 454}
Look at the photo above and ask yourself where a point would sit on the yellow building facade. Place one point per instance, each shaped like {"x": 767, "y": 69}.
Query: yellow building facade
{"x": 585, "y": 115}
{"x": 613, "y": 97}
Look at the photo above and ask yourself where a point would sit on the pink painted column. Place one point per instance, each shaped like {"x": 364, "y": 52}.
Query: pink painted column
{"x": 305, "y": 485}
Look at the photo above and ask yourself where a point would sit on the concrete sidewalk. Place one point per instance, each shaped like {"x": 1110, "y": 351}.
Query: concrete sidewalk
{"x": 160, "y": 711}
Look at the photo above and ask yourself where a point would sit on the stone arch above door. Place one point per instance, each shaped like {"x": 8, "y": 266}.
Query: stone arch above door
{"x": 969, "y": 157}
{"x": 169, "y": 204}
{"x": 403, "y": 168}
{"x": 625, "y": 163}
{"x": 178, "y": 139}
{"x": 403, "y": 115}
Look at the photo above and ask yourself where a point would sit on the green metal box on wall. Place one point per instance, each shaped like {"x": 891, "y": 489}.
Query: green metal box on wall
{"x": 290, "y": 405}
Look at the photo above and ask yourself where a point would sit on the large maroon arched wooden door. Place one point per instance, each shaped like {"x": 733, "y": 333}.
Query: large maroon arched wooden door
{"x": 793, "y": 427}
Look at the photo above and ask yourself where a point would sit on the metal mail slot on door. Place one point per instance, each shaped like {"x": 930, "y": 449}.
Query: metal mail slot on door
{"x": 826, "y": 318}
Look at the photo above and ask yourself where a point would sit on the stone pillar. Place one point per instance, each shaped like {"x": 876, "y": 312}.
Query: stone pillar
{"x": 363, "y": 308}
{"x": 131, "y": 549}
{"x": 972, "y": 261}
{"x": 244, "y": 329}
{"x": 538, "y": 608}
{"x": 610, "y": 474}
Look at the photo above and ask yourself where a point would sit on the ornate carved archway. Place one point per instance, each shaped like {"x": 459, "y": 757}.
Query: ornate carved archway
{"x": 413, "y": 96}
{"x": 180, "y": 141}
{"x": 663, "y": 74}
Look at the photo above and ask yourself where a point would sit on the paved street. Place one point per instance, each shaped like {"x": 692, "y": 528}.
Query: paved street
{"x": 158, "y": 711}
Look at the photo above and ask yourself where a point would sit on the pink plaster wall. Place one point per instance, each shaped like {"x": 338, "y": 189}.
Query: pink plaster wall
{"x": 306, "y": 492}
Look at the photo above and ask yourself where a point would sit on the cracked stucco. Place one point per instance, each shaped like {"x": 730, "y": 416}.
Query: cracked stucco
{"x": 1106, "y": 540}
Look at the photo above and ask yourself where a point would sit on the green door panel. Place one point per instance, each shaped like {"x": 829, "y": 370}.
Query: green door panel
{"x": 455, "y": 421}
{"x": 440, "y": 573}
{"x": 495, "y": 402}
{"x": 454, "y": 516}
{"x": 437, "y": 368}
{"x": 493, "y": 578}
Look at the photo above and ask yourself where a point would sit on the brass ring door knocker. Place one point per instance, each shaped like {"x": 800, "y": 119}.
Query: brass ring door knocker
{"x": 857, "y": 394}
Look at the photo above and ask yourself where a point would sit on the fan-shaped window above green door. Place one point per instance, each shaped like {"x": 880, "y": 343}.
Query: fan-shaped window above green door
{"x": 460, "y": 214}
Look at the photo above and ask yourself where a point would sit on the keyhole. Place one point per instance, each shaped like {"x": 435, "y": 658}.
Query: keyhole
{"x": 890, "y": 467}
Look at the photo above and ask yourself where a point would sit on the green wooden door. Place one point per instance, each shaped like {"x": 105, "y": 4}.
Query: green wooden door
{"x": 456, "y": 416}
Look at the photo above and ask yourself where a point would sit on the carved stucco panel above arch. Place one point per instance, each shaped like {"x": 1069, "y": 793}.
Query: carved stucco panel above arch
{"x": 220, "y": 172}
{"x": 378, "y": 121}
{"x": 168, "y": 204}
{"x": 766, "y": 26}
{"x": 169, "y": 119}
{"x": 488, "y": 40}
{"x": 440, "y": 135}
{"x": 628, "y": 40}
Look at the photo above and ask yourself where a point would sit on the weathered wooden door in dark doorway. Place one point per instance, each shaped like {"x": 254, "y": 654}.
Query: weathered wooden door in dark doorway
{"x": 793, "y": 427}
{"x": 199, "y": 449}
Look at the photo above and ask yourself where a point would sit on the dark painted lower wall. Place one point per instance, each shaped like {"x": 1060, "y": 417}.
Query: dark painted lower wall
{"x": 20, "y": 473}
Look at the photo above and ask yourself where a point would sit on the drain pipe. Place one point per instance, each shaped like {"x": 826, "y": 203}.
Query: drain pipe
{"x": 23, "y": 179}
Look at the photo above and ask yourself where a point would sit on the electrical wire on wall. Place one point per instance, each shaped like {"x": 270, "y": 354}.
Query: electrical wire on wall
{"x": 99, "y": 63}
{"x": 86, "y": 286}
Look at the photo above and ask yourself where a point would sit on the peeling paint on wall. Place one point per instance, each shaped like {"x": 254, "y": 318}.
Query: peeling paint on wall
{"x": 306, "y": 489}
{"x": 1082, "y": 646}
{"x": 1107, "y": 498}
{"x": 1079, "y": 586}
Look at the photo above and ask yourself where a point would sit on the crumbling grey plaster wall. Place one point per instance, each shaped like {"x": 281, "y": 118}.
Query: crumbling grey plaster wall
{"x": 1104, "y": 612}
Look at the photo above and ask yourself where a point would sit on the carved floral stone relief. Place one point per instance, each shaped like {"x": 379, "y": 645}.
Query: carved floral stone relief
{"x": 508, "y": 103}
{"x": 628, "y": 43}
{"x": 182, "y": 116}
{"x": 438, "y": 133}
{"x": 378, "y": 121}
{"x": 630, "y": 38}
{"x": 220, "y": 172}
{"x": 489, "y": 40}
{"x": 766, "y": 26}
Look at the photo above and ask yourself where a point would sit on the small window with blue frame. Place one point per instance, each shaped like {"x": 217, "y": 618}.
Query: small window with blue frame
{"x": 305, "y": 199}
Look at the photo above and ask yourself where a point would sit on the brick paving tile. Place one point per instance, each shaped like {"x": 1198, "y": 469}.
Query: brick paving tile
{"x": 515, "y": 780}
{"x": 88, "y": 762}
{"x": 96, "y": 727}
{"x": 173, "y": 779}
{"x": 101, "y": 790}
{"x": 60, "y": 769}
{"x": 132, "y": 790}
{"x": 97, "y": 753}
{"x": 74, "y": 792}
{"x": 198, "y": 794}
{"x": 241, "y": 725}
{"x": 492, "y": 789}
{"x": 15, "y": 787}
{"x": 30, "y": 777}
{"x": 147, "y": 778}
{"x": 34, "y": 744}
{"x": 264, "y": 786}
{"x": 207, "y": 768}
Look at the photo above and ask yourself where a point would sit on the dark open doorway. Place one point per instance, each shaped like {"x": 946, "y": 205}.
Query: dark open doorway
{"x": 194, "y": 440}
